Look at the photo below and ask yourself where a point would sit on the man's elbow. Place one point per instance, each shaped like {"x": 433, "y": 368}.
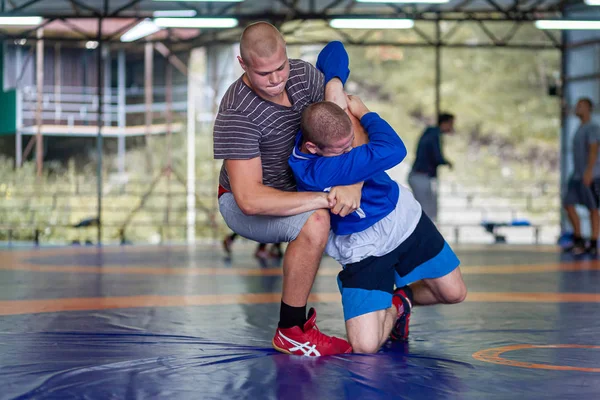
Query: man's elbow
{"x": 390, "y": 156}
{"x": 247, "y": 204}
{"x": 400, "y": 153}
{"x": 250, "y": 210}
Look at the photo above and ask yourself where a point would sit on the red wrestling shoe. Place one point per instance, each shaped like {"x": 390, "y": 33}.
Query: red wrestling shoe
{"x": 403, "y": 305}
{"x": 309, "y": 341}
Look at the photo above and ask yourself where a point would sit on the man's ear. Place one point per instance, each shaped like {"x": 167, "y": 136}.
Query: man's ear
{"x": 241, "y": 61}
{"x": 311, "y": 147}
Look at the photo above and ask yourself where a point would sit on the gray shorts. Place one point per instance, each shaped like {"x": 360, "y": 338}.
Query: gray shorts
{"x": 578, "y": 193}
{"x": 424, "y": 189}
{"x": 261, "y": 228}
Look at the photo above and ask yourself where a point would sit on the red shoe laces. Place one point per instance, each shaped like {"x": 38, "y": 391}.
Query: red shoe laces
{"x": 316, "y": 337}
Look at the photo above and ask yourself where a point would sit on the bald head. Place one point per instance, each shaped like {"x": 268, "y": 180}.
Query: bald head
{"x": 260, "y": 39}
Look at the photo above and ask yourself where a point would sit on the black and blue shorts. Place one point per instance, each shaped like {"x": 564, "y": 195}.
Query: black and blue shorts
{"x": 368, "y": 285}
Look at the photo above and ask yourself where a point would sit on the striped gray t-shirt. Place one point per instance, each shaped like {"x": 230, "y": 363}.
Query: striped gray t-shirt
{"x": 248, "y": 126}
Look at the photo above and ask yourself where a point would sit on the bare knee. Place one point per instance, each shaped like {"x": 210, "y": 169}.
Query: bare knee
{"x": 316, "y": 229}
{"x": 366, "y": 331}
{"x": 457, "y": 295}
{"x": 365, "y": 345}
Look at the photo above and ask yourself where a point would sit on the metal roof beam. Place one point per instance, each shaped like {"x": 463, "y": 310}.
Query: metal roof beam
{"x": 127, "y": 6}
{"x": 414, "y": 44}
{"x": 124, "y": 29}
{"x": 329, "y": 6}
{"x": 85, "y": 7}
{"x": 23, "y": 6}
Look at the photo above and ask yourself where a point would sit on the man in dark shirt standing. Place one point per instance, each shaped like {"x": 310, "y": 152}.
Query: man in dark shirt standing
{"x": 429, "y": 157}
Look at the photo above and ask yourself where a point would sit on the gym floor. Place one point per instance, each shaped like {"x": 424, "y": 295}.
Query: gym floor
{"x": 183, "y": 322}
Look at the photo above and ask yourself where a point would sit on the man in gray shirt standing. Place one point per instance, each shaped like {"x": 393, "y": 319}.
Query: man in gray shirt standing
{"x": 584, "y": 184}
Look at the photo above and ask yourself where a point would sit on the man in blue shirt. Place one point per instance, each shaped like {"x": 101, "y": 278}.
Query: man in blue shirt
{"x": 428, "y": 158}
{"x": 388, "y": 239}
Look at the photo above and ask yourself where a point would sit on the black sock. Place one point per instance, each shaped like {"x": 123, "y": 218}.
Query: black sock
{"x": 409, "y": 293}
{"x": 291, "y": 316}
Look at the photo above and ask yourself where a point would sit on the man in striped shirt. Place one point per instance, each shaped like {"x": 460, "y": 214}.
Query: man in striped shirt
{"x": 254, "y": 134}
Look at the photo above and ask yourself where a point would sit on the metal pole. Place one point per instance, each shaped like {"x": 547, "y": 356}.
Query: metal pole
{"x": 438, "y": 83}
{"x": 57, "y": 83}
{"x": 169, "y": 101}
{"x": 3, "y": 52}
{"x": 191, "y": 159}
{"x": 19, "y": 138}
{"x": 564, "y": 112}
{"x": 99, "y": 87}
{"x": 438, "y": 68}
{"x": 215, "y": 84}
{"x": 122, "y": 115}
{"x": 40, "y": 88}
{"x": 107, "y": 85}
{"x": 174, "y": 62}
{"x": 148, "y": 85}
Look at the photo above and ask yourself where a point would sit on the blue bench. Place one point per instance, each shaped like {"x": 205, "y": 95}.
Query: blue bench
{"x": 492, "y": 227}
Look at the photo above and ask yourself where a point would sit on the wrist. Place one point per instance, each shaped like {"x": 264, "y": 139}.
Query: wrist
{"x": 321, "y": 200}
{"x": 335, "y": 83}
{"x": 362, "y": 112}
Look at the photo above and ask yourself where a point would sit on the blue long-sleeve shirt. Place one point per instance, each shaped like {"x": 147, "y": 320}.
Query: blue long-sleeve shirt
{"x": 429, "y": 153}
{"x": 366, "y": 163}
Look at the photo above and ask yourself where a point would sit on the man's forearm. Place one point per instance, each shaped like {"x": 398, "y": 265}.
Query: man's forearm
{"x": 334, "y": 92}
{"x": 264, "y": 200}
